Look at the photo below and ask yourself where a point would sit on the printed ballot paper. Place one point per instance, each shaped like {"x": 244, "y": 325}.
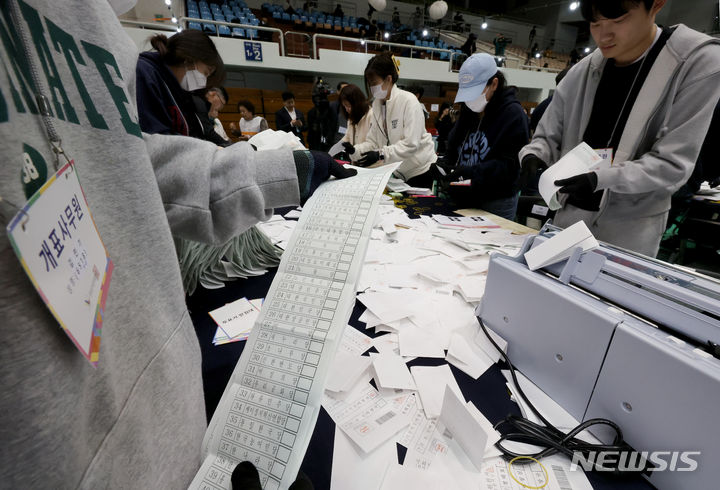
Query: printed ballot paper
{"x": 561, "y": 246}
{"x": 579, "y": 160}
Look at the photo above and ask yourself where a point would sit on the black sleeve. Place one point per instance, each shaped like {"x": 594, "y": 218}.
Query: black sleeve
{"x": 282, "y": 121}
{"x": 497, "y": 175}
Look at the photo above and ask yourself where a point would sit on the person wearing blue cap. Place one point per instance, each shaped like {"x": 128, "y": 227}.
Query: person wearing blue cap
{"x": 645, "y": 98}
{"x": 483, "y": 146}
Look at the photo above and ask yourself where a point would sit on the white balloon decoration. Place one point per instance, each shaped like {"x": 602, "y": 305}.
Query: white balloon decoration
{"x": 378, "y": 5}
{"x": 438, "y": 10}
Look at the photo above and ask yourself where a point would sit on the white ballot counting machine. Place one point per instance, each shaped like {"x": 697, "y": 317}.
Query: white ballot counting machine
{"x": 612, "y": 334}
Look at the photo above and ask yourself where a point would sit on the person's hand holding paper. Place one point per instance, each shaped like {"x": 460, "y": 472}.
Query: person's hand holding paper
{"x": 564, "y": 174}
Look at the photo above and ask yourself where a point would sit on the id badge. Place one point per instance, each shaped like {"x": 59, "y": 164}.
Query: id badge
{"x": 607, "y": 157}
{"x": 58, "y": 245}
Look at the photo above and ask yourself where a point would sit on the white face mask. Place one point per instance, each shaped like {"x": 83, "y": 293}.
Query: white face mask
{"x": 378, "y": 92}
{"x": 193, "y": 80}
{"x": 477, "y": 105}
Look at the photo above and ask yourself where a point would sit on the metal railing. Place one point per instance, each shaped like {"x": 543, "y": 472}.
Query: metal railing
{"x": 364, "y": 42}
{"x": 305, "y": 42}
{"x": 149, "y": 25}
{"x": 185, "y": 20}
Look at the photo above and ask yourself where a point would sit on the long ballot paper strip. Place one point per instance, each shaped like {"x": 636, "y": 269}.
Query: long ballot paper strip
{"x": 269, "y": 408}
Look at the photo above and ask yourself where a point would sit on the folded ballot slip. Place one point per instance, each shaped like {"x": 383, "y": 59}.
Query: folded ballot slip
{"x": 579, "y": 160}
{"x": 561, "y": 246}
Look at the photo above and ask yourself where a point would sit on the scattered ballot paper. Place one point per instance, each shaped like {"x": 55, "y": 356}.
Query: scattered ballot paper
{"x": 235, "y": 320}
{"x": 561, "y": 246}
{"x": 467, "y": 430}
{"x": 392, "y": 372}
{"x": 431, "y": 382}
{"x": 579, "y": 160}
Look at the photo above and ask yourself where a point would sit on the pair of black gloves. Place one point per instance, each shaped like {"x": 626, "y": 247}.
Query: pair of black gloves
{"x": 314, "y": 168}
{"x": 578, "y": 185}
{"x": 366, "y": 159}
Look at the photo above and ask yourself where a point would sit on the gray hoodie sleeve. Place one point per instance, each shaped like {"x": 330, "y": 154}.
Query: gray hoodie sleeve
{"x": 212, "y": 194}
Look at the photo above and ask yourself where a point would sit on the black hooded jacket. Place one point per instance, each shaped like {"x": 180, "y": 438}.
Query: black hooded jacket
{"x": 489, "y": 144}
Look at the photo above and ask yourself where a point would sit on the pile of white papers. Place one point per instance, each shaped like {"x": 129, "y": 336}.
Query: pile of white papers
{"x": 420, "y": 283}
{"x": 278, "y": 229}
{"x": 235, "y": 320}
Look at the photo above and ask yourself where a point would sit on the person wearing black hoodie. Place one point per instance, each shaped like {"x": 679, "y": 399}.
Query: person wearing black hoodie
{"x": 483, "y": 145}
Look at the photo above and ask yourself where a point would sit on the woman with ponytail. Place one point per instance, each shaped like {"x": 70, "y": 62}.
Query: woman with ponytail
{"x": 397, "y": 128}
{"x": 167, "y": 77}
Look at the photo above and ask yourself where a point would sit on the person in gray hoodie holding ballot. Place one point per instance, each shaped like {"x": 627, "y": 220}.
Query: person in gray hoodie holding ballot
{"x": 644, "y": 97}
{"x": 126, "y": 409}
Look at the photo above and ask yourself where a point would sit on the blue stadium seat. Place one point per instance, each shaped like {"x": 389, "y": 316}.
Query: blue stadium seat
{"x": 276, "y": 15}
{"x": 238, "y": 32}
{"x": 195, "y": 25}
{"x": 224, "y": 30}
{"x": 285, "y": 16}
{"x": 253, "y": 33}
{"x": 210, "y": 28}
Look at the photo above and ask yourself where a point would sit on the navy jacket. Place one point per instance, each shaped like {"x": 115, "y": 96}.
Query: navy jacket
{"x": 490, "y": 146}
{"x": 282, "y": 122}
{"x": 163, "y": 106}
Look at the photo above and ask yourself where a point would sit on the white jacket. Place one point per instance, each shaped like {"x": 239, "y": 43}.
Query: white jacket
{"x": 406, "y": 140}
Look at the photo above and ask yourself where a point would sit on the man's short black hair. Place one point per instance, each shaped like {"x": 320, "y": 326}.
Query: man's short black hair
{"x": 287, "y": 96}
{"x": 340, "y": 85}
{"x": 610, "y": 9}
{"x": 417, "y": 90}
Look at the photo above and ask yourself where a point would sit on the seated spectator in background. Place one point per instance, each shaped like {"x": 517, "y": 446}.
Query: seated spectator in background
{"x": 217, "y": 97}
{"x": 397, "y": 131}
{"x": 469, "y": 47}
{"x": 290, "y": 119}
{"x": 458, "y": 21}
{"x": 443, "y": 124}
{"x": 289, "y": 9}
{"x": 339, "y": 11}
{"x": 484, "y": 144}
{"x": 342, "y": 122}
{"x": 395, "y": 18}
{"x": 249, "y": 124}
{"x": 167, "y": 77}
{"x": 417, "y": 18}
{"x": 418, "y": 92}
{"x": 355, "y": 108}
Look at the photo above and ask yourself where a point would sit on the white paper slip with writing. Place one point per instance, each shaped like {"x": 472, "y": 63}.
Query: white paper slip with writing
{"x": 561, "y": 246}
{"x": 270, "y": 405}
{"x": 579, "y": 160}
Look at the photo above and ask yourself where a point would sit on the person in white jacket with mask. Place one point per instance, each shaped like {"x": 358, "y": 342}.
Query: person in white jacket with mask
{"x": 397, "y": 128}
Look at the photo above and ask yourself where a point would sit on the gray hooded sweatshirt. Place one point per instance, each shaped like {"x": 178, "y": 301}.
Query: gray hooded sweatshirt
{"x": 138, "y": 419}
{"x": 658, "y": 148}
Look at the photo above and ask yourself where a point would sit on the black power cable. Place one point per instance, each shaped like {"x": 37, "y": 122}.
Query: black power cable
{"x": 556, "y": 441}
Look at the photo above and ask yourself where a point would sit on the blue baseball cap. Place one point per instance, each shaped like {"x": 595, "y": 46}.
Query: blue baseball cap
{"x": 474, "y": 75}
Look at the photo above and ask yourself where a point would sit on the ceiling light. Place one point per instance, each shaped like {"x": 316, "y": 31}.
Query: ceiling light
{"x": 587, "y": 50}
{"x": 484, "y": 25}
{"x": 537, "y": 55}
{"x": 574, "y": 5}
{"x": 174, "y": 20}
{"x": 387, "y": 35}
{"x": 425, "y": 32}
{"x": 168, "y": 2}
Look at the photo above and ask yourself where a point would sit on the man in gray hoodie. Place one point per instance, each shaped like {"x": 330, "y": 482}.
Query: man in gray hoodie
{"x": 137, "y": 418}
{"x": 647, "y": 94}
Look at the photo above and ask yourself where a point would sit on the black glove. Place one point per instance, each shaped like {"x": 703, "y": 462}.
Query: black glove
{"x": 461, "y": 172}
{"x": 368, "y": 158}
{"x": 314, "y": 168}
{"x": 245, "y": 477}
{"x": 529, "y": 168}
{"x": 441, "y": 169}
{"x": 350, "y": 149}
{"x": 582, "y": 185}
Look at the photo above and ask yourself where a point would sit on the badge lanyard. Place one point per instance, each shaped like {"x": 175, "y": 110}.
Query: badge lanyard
{"x": 55, "y": 238}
